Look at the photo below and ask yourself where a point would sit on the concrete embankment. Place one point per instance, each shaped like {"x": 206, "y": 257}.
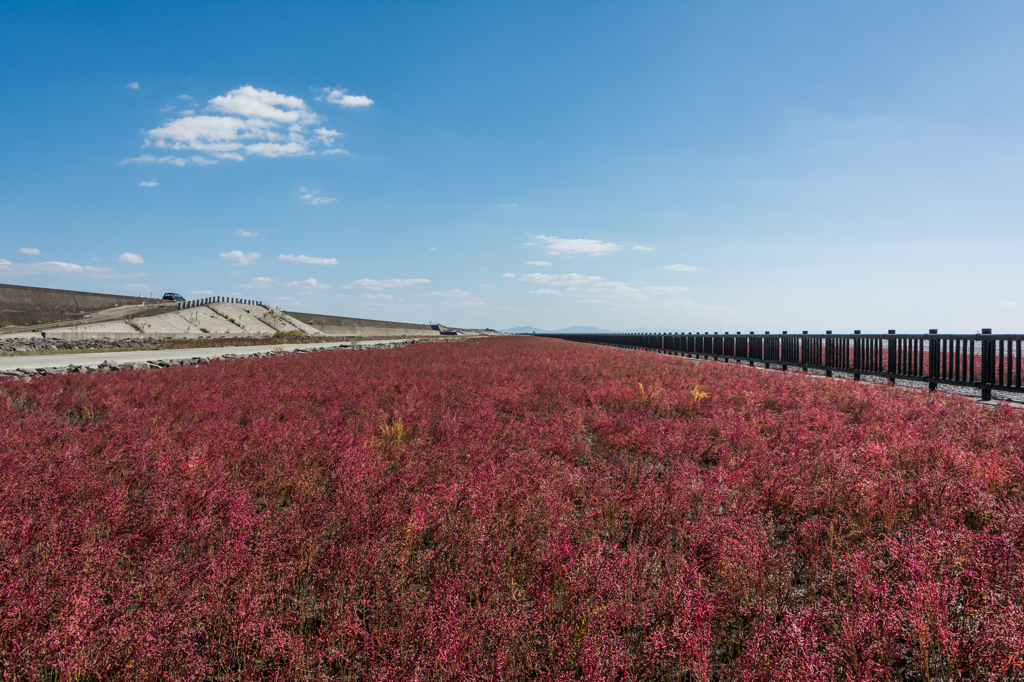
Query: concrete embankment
{"x": 332, "y": 325}
{"x": 21, "y": 305}
{"x": 212, "y": 320}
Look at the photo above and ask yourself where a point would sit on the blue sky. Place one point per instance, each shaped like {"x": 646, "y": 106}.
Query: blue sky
{"x": 680, "y": 166}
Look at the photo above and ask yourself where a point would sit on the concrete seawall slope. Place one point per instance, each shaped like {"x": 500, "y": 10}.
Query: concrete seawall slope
{"x": 21, "y": 305}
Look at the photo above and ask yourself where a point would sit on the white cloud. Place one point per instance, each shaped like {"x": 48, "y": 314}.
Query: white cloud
{"x": 167, "y": 108}
{"x": 308, "y": 259}
{"x": 308, "y": 284}
{"x": 512, "y": 205}
{"x": 544, "y": 291}
{"x": 201, "y": 292}
{"x": 590, "y": 247}
{"x": 133, "y": 85}
{"x": 380, "y": 297}
{"x": 246, "y": 121}
{"x": 679, "y": 267}
{"x": 326, "y": 136}
{"x": 538, "y": 263}
{"x": 274, "y": 149}
{"x": 339, "y": 150}
{"x": 643, "y": 248}
{"x": 246, "y": 233}
{"x": 338, "y": 96}
{"x": 311, "y": 198}
{"x": 188, "y": 97}
{"x": 509, "y": 275}
{"x": 263, "y": 105}
{"x": 29, "y": 251}
{"x": 9, "y": 269}
{"x": 239, "y": 258}
{"x": 572, "y": 279}
{"x": 133, "y": 258}
{"x": 260, "y": 283}
{"x": 374, "y": 284}
{"x": 149, "y": 158}
{"x": 149, "y": 183}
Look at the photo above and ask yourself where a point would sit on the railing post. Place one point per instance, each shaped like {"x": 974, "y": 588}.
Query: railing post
{"x": 829, "y": 353}
{"x": 933, "y": 361}
{"x": 891, "y": 357}
{"x": 856, "y": 356}
{"x": 782, "y": 352}
{"x": 803, "y": 351}
{"x": 988, "y": 365}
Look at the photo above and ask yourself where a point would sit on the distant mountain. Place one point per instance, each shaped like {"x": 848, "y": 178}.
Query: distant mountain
{"x": 524, "y": 330}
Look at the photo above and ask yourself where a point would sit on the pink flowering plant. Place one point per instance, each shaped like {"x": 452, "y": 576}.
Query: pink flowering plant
{"x": 510, "y": 508}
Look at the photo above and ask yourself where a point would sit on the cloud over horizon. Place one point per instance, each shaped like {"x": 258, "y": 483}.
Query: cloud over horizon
{"x": 374, "y": 284}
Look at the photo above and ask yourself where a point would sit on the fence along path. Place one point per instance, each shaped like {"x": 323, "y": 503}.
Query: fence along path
{"x": 985, "y": 361}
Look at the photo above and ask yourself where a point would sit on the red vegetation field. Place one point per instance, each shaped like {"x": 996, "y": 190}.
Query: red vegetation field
{"x": 511, "y": 508}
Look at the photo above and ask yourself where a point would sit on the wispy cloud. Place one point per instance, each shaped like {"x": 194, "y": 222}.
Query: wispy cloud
{"x": 239, "y": 258}
{"x": 341, "y": 97}
{"x": 267, "y": 282}
{"x": 311, "y": 198}
{"x": 188, "y": 97}
{"x": 509, "y": 275}
{"x": 14, "y": 270}
{"x": 308, "y": 259}
{"x": 512, "y": 205}
{"x": 643, "y": 248}
{"x": 571, "y": 279}
{"x": 245, "y": 233}
{"x": 149, "y": 183}
{"x": 133, "y": 85}
{"x": 679, "y": 267}
{"x": 384, "y": 298}
{"x": 538, "y": 263}
{"x": 453, "y": 297}
{"x": 374, "y": 284}
{"x": 132, "y": 258}
{"x": 29, "y": 251}
{"x": 544, "y": 291}
{"x": 590, "y": 247}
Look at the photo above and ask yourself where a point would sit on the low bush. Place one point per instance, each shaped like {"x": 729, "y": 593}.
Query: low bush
{"x": 505, "y": 508}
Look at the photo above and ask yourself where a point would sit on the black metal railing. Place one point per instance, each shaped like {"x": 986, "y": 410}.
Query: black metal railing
{"x": 986, "y": 361}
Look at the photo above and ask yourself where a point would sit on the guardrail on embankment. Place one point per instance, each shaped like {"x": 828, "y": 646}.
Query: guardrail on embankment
{"x": 985, "y": 361}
